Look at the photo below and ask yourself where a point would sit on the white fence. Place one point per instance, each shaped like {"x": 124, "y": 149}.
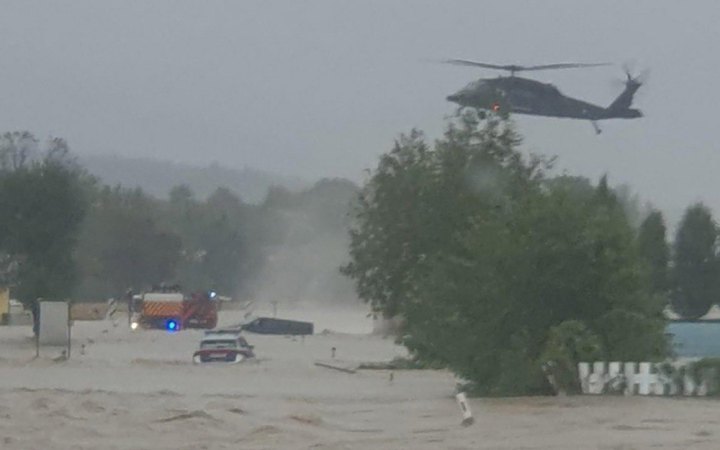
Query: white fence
{"x": 631, "y": 378}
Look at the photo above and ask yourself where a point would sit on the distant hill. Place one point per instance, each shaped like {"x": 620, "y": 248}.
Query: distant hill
{"x": 157, "y": 177}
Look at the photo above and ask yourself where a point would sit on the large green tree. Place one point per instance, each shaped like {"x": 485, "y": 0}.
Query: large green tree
{"x": 124, "y": 246}
{"x": 483, "y": 255}
{"x": 654, "y": 249}
{"x": 214, "y": 247}
{"x": 42, "y": 205}
{"x": 695, "y": 263}
{"x": 387, "y": 244}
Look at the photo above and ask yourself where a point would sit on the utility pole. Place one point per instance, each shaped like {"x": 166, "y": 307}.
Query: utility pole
{"x": 130, "y": 306}
{"x": 36, "y": 325}
{"x": 69, "y": 330}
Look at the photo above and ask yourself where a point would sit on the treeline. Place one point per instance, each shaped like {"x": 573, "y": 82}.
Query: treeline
{"x": 130, "y": 240}
{"x": 63, "y": 234}
{"x": 686, "y": 271}
{"x": 158, "y": 177}
{"x": 692, "y": 278}
{"x": 507, "y": 275}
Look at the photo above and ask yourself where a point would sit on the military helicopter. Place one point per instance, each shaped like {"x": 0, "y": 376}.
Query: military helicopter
{"x": 524, "y": 96}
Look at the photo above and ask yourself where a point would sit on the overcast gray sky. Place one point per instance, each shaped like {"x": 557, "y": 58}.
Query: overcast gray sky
{"x": 321, "y": 88}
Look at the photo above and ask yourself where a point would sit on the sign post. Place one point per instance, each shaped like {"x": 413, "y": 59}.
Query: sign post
{"x": 69, "y": 328}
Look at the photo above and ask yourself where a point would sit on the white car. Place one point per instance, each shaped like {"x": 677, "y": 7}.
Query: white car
{"x": 223, "y": 346}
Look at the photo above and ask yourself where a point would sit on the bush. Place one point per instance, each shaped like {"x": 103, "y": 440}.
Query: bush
{"x": 568, "y": 344}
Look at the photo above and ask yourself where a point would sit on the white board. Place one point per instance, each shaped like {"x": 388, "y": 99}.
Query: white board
{"x": 53, "y": 323}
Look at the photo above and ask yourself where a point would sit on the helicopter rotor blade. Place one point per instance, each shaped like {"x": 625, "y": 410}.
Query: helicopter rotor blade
{"x": 564, "y": 66}
{"x": 463, "y": 62}
{"x": 516, "y": 68}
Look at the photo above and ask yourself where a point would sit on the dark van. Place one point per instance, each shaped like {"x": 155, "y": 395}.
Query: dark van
{"x": 268, "y": 325}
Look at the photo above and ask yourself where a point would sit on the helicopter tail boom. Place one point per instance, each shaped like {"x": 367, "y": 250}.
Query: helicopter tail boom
{"x": 620, "y": 107}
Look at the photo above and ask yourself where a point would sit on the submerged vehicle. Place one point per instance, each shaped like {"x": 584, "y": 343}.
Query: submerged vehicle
{"x": 270, "y": 325}
{"x": 227, "y": 346}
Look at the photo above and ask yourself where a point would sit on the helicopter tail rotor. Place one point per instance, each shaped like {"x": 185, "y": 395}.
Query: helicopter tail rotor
{"x": 621, "y": 107}
{"x": 632, "y": 77}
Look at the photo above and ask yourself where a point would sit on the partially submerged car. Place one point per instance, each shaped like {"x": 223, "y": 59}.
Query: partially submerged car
{"x": 226, "y": 346}
{"x": 270, "y": 325}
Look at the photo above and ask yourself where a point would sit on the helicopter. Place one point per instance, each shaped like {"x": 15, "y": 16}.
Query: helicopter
{"x": 512, "y": 94}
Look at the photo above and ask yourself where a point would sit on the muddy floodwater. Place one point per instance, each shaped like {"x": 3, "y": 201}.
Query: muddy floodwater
{"x": 140, "y": 390}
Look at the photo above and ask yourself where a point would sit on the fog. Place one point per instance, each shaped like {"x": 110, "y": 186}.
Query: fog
{"x": 302, "y": 274}
{"x": 308, "y": 238}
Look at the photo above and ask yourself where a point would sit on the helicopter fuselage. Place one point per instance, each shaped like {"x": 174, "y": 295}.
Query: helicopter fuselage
{"x": 525, "y": 96}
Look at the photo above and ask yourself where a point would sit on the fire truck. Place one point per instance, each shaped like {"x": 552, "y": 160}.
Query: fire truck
{"x": 172, "y": 310}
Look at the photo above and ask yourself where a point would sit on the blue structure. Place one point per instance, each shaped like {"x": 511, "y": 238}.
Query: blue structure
{"x": 697, "y": 339}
